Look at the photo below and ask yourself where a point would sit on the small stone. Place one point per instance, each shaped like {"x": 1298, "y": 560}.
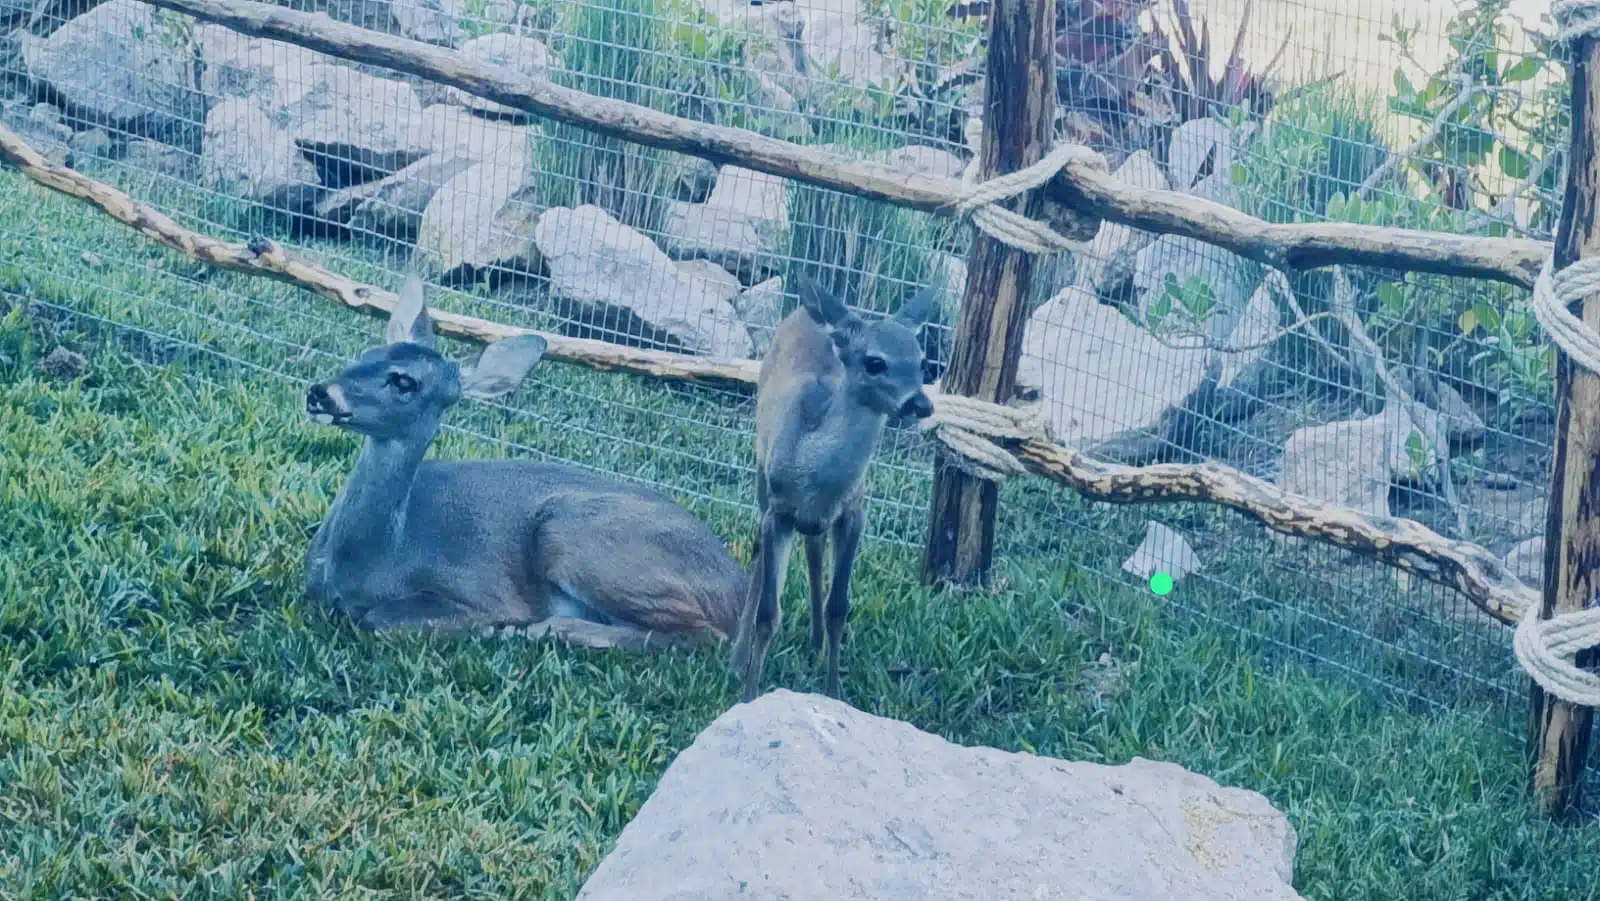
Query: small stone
{"x": 64, "y": 365}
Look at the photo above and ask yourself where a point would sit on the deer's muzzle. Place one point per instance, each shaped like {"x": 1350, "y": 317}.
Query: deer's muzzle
{"x": 325, "y": 404}
{"x": 918, "y": 406}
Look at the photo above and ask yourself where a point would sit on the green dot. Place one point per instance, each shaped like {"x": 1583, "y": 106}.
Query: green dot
{"x": 1160, "y": 584}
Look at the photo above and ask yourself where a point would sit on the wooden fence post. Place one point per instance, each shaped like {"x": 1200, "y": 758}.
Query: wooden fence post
{"x": 1018, "y": 113}
{"x": 1559, "y": 731}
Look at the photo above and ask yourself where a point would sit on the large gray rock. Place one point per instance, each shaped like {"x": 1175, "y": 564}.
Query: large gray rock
{"x": 273, "y": 75}
{"x": 429, "y": 21}
{"x": 811, "y": 39}
{"x": 244, "y": 154}
{"x": 523, "y": 55}
{"x": 1112, "y": 250}
{"x": 392, "y": 207}
{"x": 483, "y": 216}
{"x": 1100, "y": 375}
{"x": 737, "y": 227}
{"x": 599, "y": 262}
{"x": 1351, "y": 463}
{"x": 41, "y": 127}
{"x": 455, "y": 141}
{"x": 359, "y": 122}
{"x": 14, "y": 12}
{"x": 800, "y": 797}
{"x": 760, "y": 307}
{"x": 122, "y": 63}
{"x": 1526, "y": 561}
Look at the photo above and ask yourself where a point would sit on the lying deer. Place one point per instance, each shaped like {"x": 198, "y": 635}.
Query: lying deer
{"x": 488, "y": 543}
{"x": 827, "y": 386}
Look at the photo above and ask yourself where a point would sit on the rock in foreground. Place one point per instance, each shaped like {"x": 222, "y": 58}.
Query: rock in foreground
{"x": 800, "y": 797}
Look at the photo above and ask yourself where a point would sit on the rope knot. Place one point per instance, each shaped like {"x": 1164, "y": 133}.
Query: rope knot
{"x": 974, "y": 431}
{"x": 982, "y": 202}
{"x": 1548, "y": 650}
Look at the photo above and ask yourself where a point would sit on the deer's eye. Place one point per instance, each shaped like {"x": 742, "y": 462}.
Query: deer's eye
{"x": 402, "y": 383}
{"x": 875, "y": 365}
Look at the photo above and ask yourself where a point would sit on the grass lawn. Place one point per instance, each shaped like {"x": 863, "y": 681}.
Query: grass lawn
{"x": 176, "y": 721}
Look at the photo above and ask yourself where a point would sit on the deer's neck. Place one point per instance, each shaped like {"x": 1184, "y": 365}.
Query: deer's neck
{"x": 368, "y": 518}
{"x": 848, "y": 434}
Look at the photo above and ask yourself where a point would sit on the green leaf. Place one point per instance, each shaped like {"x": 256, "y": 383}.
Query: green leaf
{"x": 1336, "y": 203}
{"x": 1238, "y": 174}
{"x": 1403, "y": 88}
{"x": 1487, "y": 316}
{"x": 1523, "y": 70}
{"x": 1467, "y": 321}
{"x": 1514, "y": 162}
{"x": 1391, "y": 298}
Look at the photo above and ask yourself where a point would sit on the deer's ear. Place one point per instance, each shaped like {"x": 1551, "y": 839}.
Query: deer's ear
{"x": 916, "y": 312}
{"x": 502, "y": 366}
{"x": 410, "y": 320}
{"x": 825, "y": 309}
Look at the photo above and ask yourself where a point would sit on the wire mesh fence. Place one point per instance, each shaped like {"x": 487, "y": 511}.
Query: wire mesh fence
{"x": 1142, "y": 348}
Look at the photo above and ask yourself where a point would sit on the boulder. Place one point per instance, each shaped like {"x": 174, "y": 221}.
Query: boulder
{"x": 835, "y": 35}
{"x": 1115, "y": 243}
{"x": 273, "y": 75}
{"x": 1526, "y": 561}
{"x": 1351, "y": 463}
{"x": 738, "y": 225}
{"x": 243, "y": 154}
{"x": 89, "y": 147}
{"x": 455, "y": 140}
{"x": 1099, "y": 375}
{"x": 523, "y": 55}
{"x": 1191, "y": 144}
{"x": 122, "y": 64}
{"x": 41, "y": 127}
{"x": 804, "y": 798}
{"x": 760, "y": 307}
{"x": 429, "y": 21}
{"x": 392, "y": 207}
{"x": 357, "y": 126}
{"x": 145, "y": 155}
{"x": 483, "y": 216}
{"x": 452, "y": 131}
{"x": 597, "y": 261}
{"x": 14, "y": 13}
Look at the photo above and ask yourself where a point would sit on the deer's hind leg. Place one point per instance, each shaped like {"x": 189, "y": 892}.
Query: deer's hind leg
{"x": 588, "y": 634}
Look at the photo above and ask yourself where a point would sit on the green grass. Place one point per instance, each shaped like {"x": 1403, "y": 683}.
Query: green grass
{"x": 176, "y": 721}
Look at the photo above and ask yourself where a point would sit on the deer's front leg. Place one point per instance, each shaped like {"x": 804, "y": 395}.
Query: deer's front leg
{"x": 846, "y": 540}
{"x": 761, "y": 615}
{"x": 815, "y": 546}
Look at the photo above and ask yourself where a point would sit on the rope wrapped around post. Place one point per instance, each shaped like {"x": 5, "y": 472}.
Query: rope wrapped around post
{"x": 1548, "y": 648}
{"x": 983, "y": 201}
{"x": 972, "y": 430}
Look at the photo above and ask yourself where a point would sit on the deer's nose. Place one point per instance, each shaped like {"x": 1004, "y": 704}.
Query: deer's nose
{"x": 317, "y": 395}
{"x": 919, "y": 406}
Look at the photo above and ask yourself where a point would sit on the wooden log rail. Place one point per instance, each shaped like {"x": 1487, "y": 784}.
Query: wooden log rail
{"x": 1082, "y": 187}
{"x": 1469, "y": 569}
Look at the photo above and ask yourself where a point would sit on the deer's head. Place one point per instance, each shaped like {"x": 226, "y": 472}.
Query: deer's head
{"x": 400, "y": 389}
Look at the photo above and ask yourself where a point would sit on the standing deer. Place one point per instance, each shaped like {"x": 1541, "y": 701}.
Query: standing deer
{"x": 826, "y": 388}
{"x": 486, "y": 543}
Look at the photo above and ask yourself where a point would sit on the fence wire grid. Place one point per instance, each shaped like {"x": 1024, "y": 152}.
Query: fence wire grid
{"x": 1143, "y": 349}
